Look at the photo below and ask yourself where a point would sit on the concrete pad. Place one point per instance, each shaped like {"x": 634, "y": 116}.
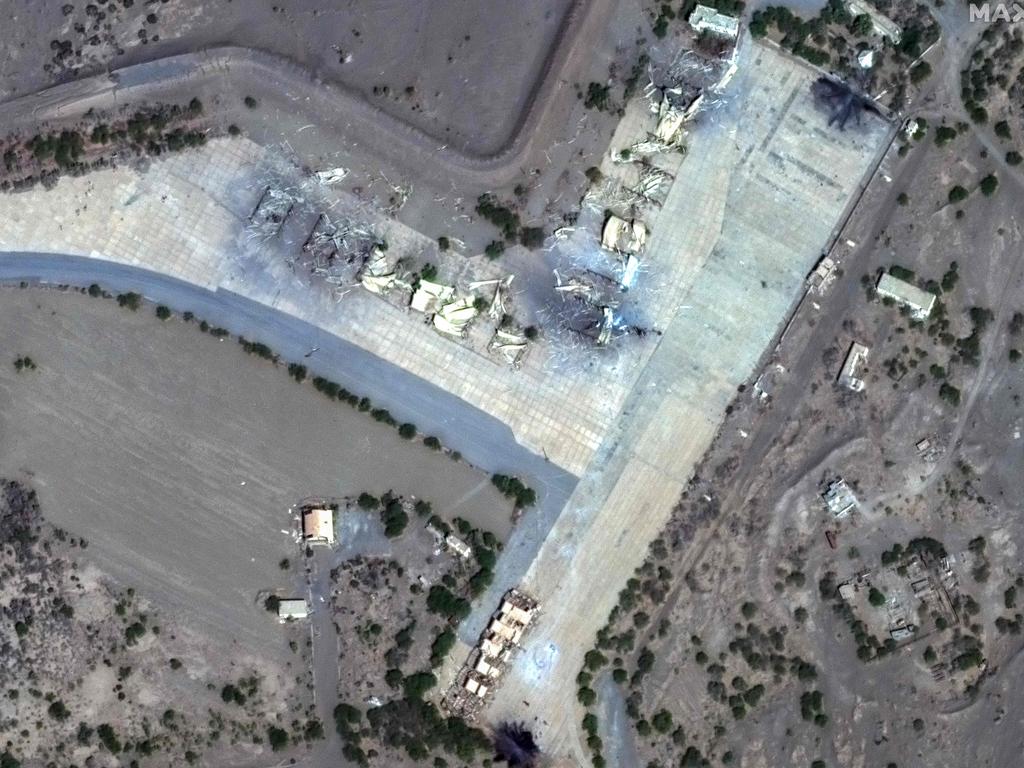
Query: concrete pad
{"x": 764, "y": 184}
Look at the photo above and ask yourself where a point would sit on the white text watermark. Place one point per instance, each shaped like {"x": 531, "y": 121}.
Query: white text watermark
{"x": 990, "y": 12}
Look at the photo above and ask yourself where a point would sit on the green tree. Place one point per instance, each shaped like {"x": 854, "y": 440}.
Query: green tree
{"x": 920, "y": 72}
{"x": 957, "y": 194}
{"x": 989, "y": 185}
{"x": 278, "y": 738}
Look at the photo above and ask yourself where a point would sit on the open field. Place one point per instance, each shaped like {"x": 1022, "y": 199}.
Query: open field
{"x": 178, "y": 457}
{"x": 115, "y": 678}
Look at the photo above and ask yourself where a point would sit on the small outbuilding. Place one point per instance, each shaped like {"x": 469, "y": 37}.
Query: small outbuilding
{"x": 840, "y": 499}
{"x": 292, "y": 609}
{"x": 855, "y": 358}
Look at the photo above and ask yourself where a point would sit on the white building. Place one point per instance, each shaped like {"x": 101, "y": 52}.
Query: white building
{"x": 318, "y": 525}
{"x": 292, "y": 609}
{"x": 458, "y": 546}
{"x": 706, "y": 19}
{"x": 919, "y": 302}
{"x": 839, "y": 499}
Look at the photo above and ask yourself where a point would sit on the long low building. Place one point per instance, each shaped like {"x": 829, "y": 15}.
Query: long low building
{"x": 707, "y": 19}
{"x": 919, "y": 302}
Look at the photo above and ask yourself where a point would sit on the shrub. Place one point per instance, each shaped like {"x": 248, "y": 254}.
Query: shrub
{"x": 662, "y": 721}
{"x": 109, "y": 738}
{"x": 950, "y": 394}
{"x": 230, "y": 693}
{"x": 920, "y": 72}
{"x": 1013, "y": 157}
{"x": 440, "y": 600}
{"x": 594, "y": 659}
{"x": 416, "y": 685}
{"x": 163, "y": 312}
{"x": 407, "y": 430}
{"x": 443, "y": 243}
{"x": 494, "y": 249}
{"x": 366, "y": 501}
{"x": 432, "y": 442}
{"x": 394, "y": 518}
{"x": 597, "y": 96}
{"x": 250, "y": 102}
{"x": 532, "y": 237}
{"x": 501, "y": 216}
{"x": 441, "y": 647}
{"x": 278, "y": 737}
{"x": 514, "y": 488}
{"x": 129, "y": 300}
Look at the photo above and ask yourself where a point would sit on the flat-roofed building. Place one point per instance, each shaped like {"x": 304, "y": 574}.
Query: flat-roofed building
{"x": 458, "y": 546}
{"x": 919, "y": 302}
{"x": 840, "y": 499}
{"x": 855, "y": 358}
{"x": 318, "y": 525}
{"x": 292, "y": 609}
{"x": 707, "y": 19}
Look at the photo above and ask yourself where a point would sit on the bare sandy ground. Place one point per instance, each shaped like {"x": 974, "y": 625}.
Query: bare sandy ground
{"x": 178, "y": 456}
{"x": 460, "y": 70}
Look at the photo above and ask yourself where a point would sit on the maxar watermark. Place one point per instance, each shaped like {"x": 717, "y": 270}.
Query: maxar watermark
{"x": 989, "y": 12}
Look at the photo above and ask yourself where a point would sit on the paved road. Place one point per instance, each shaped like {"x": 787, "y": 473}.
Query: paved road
{"x": 483, "y": 440}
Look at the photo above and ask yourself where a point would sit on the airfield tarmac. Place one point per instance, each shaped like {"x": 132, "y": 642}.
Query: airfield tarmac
{"x": 178, "y": 456}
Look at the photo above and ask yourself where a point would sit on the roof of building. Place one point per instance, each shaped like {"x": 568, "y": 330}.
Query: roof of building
{"x": 707, "y": 18}
{"x": 882, "y": 24}
{"x": 905, "y": 293}
{"x": 840, "y": 499}
{"x": 292, "y": 608}
{"x": 857, "y": 355}
{"x": 318, "y": 524}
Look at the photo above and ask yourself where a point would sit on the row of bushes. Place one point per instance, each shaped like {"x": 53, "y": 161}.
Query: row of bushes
{"x": 392, "y": 512}
{"x": 297, "y": 371}
{"x": 514, "y": 488}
